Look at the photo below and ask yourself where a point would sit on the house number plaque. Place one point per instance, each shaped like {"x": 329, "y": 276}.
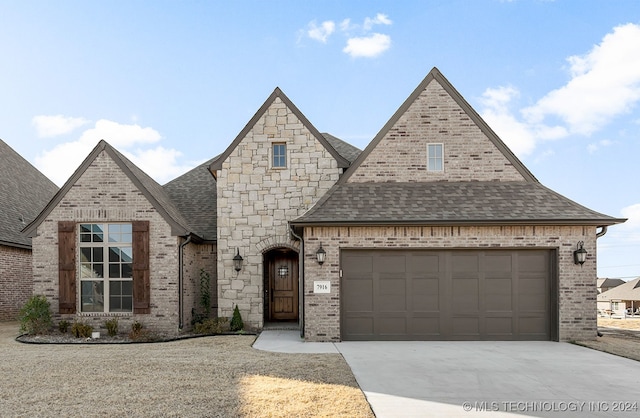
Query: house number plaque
{"x": 321, "y": 286}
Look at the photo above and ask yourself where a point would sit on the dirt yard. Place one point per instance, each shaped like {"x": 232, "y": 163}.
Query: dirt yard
{"x": 220, "y": 376}
{"x": 620, "y": 337}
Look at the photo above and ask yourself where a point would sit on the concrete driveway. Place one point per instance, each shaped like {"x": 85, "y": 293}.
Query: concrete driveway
{"x": 460, "y": 379}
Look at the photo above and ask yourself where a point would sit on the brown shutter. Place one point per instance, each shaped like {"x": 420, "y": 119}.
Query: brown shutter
{"x": 67, "y": 267}
{"x": 141, "y": 283}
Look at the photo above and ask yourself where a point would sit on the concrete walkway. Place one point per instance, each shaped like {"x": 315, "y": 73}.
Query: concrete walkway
{"x": 483, "y": 378}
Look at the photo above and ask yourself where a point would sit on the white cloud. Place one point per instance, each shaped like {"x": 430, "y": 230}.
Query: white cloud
{"x": 604, "y": 83}
{"x": 369, "y": 46}
{"x": 160, "y": 163}
{"x": 366, "y": 44}
{"x": 50, "y": 126}
{"x": 497, "y": 114}
{"x": 321, "y": 33}
{"x": 380, "y": 19}
{"x": 593, "y": 147}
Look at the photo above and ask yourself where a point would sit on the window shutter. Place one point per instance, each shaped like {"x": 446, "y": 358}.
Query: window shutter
{"x": 141, "y": 283}
{"x": 67, "y": 267}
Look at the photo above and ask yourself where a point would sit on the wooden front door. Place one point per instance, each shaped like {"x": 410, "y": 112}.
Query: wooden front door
{"x": 282, "y": 285}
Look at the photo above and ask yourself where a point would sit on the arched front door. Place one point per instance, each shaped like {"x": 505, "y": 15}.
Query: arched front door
{"x": 281, "y": 285}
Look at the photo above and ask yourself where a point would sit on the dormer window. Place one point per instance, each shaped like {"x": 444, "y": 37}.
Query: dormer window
{"x": 279, "y": 155}
{"x": 435, "y": 157}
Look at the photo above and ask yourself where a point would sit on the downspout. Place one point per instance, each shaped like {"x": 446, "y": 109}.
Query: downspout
{"x": 602, "y": 231}
{"x": 180, "y": 282}
{"x": 300, "y": 280}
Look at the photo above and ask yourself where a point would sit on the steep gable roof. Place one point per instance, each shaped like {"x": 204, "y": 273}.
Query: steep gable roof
{"x": 24, "y": 191}
{"x": 446, "y": 202}
{"x": 277, "y": 93}
{"x": 627, "y": 291}
{"x": 609, "y": 283}
{"x": 194, "y": 194}
{"x": 435, "y": 75}
{"x": 156, "y": 195}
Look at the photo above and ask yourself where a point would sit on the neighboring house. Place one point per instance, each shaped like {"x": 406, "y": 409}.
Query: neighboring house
{"x": 607, "y": 284}
{"x": 621, "y": 300}
{"x": 436, "y": 231}
{"x": 24, "y": 191}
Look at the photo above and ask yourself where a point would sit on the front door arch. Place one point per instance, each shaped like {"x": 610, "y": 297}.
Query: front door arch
{"x": 281, "y": 285}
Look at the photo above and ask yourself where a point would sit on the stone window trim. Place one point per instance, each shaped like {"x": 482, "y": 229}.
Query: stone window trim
{"x": 279, "y": 155}
{"x": 435, "y": 157}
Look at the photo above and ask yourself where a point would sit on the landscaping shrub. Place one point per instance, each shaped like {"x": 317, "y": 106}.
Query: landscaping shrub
{"x": 138, "y": 333}
{"x": 63, "y": 326}
{"x": 35, "y": 315}
{"x": 212, "y": 326}
{"x": 236, "y": 321}
{"x": 81, "y": 330}
{"x": 112, "y": 327}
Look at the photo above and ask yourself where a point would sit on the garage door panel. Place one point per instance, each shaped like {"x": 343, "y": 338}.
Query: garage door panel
{"x": 465, "y": 326}
{"x": 392, "y": 326}
{"x": 361, "y": 291}
{"x": 464, "y": 294}
{"x": 425, "y": 324}
{"x": 425, "y": 294}
{"x": 446, "y": 295}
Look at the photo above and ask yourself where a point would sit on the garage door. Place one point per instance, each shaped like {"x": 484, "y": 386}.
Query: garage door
{"x": 447, "y": 295}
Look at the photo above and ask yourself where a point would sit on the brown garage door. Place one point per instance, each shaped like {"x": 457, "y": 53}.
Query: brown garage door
{"x": 447, "y": 295}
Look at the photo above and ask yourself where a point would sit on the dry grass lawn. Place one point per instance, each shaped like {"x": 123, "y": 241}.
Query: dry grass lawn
{"x": 210, "y": 376}
{"x": 624, "y": 347}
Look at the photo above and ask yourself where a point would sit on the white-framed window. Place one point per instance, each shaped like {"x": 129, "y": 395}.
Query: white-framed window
{"x": 106, "y": 267}
{"x": 279, "y": 155}
{"x": 435, "y": 157}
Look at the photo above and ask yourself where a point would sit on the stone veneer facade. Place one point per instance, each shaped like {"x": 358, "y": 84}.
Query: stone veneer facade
{"x": 256, "y": 201}
{"x": 104, "y": 193}
{"x": 16, "y": 284}
{"x": 577, "y": 293}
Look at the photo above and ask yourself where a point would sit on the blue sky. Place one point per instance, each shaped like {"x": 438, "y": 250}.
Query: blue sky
{"x": 171, "y": 83}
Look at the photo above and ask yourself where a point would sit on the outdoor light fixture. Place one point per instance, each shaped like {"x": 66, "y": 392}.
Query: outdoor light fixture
{"x": 321, "y": 254}
{"x": 283, "y": 271}
{"x": 237, "y": 260}
{"x": 580, "y": 254}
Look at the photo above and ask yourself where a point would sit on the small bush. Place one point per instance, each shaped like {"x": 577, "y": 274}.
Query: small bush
{"x": 138, "y": 333}
{"x": 236, "y": 321}
{"x": 63, "y": 326}
{"x": 212, "y": 326}
{"x": 81, "y": 330}
{"x": 35, "y": 315}
{"x": 112, "y": 327}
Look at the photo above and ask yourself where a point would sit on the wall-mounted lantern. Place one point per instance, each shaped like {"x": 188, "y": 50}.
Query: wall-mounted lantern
{"x": 237, "y": 260}
{"x": 321, "y": 254}
{"x": 580, "y": 254}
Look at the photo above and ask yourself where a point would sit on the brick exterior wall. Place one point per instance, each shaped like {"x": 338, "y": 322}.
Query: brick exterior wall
{"x": 577, "y": 293}
{"x": 197, "y": 258}
{"x": 16, "y": 285}
{"x": 434, "y": 117}
{"x": 256, "y": 201}
{"x": 105, "y": 194}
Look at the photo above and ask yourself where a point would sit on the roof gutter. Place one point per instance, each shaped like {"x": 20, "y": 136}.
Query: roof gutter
{"x": 602, "y": 231}
{"x": 180, "y": 282}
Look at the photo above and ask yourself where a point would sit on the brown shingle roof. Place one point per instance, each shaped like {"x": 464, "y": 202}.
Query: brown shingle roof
{"x": 628, "y": 291}
{"x": 449, "y": 203}
{"x": 24, "y": 191}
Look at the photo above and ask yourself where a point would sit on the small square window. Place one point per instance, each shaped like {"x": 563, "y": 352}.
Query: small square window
{"x": 435, "y": 157}
{"x": 279, "y": 151}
